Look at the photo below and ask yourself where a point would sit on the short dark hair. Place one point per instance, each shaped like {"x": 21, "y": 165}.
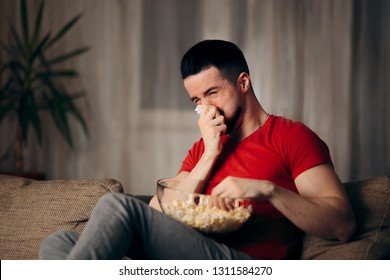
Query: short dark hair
{"x": 224, "y": 55}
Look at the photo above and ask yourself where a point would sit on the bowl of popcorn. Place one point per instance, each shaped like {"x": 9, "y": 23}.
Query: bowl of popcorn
{"x": 205, "y": 213}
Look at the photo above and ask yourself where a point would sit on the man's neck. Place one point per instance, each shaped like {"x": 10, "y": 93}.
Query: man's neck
{"x": 252, "y": 121}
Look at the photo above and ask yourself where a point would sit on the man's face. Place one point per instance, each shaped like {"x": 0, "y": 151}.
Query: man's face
{"x": 209, "y": 88}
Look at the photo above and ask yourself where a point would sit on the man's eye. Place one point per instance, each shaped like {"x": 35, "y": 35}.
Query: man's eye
{"x": 212, "y": 94}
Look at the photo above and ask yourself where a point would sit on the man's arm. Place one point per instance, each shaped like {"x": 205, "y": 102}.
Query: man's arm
{"x": 212, "y": 126}
{"x": 321, "y": 208}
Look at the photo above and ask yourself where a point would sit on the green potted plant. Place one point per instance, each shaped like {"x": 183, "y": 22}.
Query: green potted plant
{"x": 32, "y": 82}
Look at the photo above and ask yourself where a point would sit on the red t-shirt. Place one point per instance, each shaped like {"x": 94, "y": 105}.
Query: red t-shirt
{"x": 278, "y": 151}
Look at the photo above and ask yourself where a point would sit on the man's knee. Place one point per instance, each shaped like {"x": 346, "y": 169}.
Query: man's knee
{"x": 57, "y": 243}
{"x": 118, "y": 200}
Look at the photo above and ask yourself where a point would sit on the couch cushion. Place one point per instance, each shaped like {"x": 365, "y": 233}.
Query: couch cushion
{"x": 370, "y": 201}
{"x": 31, "y": 210}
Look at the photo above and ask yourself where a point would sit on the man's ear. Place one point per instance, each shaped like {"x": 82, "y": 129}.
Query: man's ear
{"x": 244, "y": 82}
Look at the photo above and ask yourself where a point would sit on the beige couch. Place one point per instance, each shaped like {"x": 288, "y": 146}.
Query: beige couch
{"x": 31, "y": 210}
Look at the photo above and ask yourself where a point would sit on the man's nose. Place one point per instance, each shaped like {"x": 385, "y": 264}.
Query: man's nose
{"x": 205, "y": 101}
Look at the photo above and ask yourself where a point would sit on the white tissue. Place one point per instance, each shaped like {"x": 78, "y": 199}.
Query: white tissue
{"x": 198, "y": 109}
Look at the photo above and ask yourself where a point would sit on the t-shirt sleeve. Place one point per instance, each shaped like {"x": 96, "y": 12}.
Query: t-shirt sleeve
{"x": 192, "y": 157}
{"x": 304, "y": 149}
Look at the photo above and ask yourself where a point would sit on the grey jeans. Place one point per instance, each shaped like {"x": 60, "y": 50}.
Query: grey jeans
{"x": 121, "y": 225}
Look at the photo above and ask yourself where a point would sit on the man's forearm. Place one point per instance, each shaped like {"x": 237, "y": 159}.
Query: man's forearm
{"x": 325, "y": 217}
{"x": 202, "y": 170}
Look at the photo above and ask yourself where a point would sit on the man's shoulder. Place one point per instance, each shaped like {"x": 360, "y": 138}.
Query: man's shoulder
{"x": 283, "y": 128}
{"x": 284, "y": 124}
{"x": 280, "y": 120}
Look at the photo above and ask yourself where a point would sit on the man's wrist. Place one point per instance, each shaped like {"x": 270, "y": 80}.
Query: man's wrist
{"x": 270, "y": 191}
{"x": 211, "y": 155}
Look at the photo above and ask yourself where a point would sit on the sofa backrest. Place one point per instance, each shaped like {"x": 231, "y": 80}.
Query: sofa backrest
{"x": 370, "y": 200}
{"x": 31, "y": 210}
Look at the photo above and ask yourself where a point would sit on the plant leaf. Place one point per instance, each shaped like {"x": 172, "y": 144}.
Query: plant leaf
{"x": 66, "y": 56}
{"x": 2, "y": 69}
{"x": 23, "y": 118}
{"x": 63, "y": 31}
{"x": 34, "y": 117}
{"x": 61, "y": 121}
{"x": 58, "y": 112}
{"x": 19, "y": 45}
{"x": 71, "y": 107}
{"x": 63, "y": 73}
{"x": 5, "y": 90}
{"x": 58, "y": 74}
{"x": 14, "y": 66}
{"x": 38, "y": 49}
{"x": 7, "y": 49}
{"x": 44, "y": 61}
{"x": 32, "y": 85}
{"x": 37, "y": 25}
{"x": 77, "y": 95}
{"x": 24, "y": 18}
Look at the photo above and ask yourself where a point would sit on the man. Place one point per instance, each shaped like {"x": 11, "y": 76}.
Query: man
{"x": 282, "y": 164}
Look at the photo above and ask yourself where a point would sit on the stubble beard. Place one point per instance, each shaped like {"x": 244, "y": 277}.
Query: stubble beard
{"x": 231, "y": 122}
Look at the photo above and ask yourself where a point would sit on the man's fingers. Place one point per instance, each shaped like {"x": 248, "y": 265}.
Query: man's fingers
{"x": 210, "y": 112}
{"x": 218, "y": 121}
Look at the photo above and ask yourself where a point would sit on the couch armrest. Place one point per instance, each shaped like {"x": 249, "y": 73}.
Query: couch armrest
{"x": 370, "y": 200}
{"x": 30, "y": 210}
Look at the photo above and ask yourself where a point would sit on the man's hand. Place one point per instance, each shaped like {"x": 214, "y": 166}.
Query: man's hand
{"x": 320, "y": 207}
{"x": 234, "y": 187}
{"x": 212, "y": 127}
